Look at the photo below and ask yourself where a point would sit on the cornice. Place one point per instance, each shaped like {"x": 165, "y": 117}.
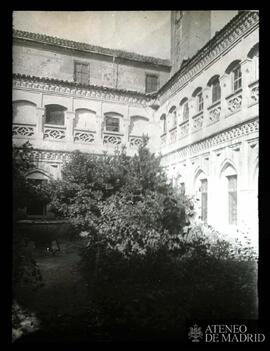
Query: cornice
{"x": 75, "y": 89}
{"x": 221, "y": 138}
{"x": 222, "y": 41}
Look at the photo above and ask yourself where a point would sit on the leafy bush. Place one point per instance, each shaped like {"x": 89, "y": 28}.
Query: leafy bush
{"x": 146, "y": 274}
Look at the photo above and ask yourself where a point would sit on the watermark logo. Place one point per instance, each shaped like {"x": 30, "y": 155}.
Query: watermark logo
{"x": 225, "y": 333}
{"x": 195, "y": 333}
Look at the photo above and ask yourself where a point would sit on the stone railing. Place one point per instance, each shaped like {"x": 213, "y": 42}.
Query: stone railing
{"x": 254, "y": 92}
{"x": 214, "y": 112}
{"x": 84, "y": 136}
{"x": 197, "y": 121}
{"x": 23, "y": 130}
{"x": 111, "y": 139}
{"x": 173, "y": 135}
{"x": 135, "y": 141}
{"x": 184, "y": 129}
{"x": 234, "y": 101}
{"x": 54, "y": 132}
{"x": 163, "y": 139}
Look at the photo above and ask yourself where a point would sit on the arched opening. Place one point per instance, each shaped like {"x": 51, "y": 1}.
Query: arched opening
{"x": 198, "y": 95}
{"x": 201, "y": 194}
{"x": 139, "y": 125}
{"x": 24, "y": 112}
{"x": 113, "y": 122}
{"x": 214, "y": 84}
{"x": 234, "y": 70}
{"x": 36, "y": 207}
{"x": 55, "y": 115}
{"x": 228, "y": 188}
{"x": 85, "y": 119}
{"x": 253, "y": 54}
{"x": 172, "y": 120}
{"x": 163, "y": 124}
{"x": 184, "y": 108}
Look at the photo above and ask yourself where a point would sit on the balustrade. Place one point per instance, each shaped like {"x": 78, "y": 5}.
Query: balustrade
{"x": 54, "y": 132}
{"x": 135, "y": 141}
{"x": 214, "y": 112}
{"x": 23, "y": 130}
{"x": 83, "y": 136}
{"x": 173, "y": 135}
{"x": 234, "y": 101}
{"x": 254, "y": 92}
{"x": 197, "y": 121}
{"x": 111, "y": 139}
{"x": 184, "y": 128}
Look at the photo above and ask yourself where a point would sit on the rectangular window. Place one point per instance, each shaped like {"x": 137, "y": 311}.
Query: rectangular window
{"x": 200, "y": 102}
{"x": 81, "y": 72}
{"x": 112, "y": 124}
{"x": 232, "y": 199}
{"x": 216, "y": 92}
{"x": 185, "y": 112}
{"x": 237, "y": 78}
{"x": 151, "y": 83}
{"x": 55, "y": 117}
{"x": 204, "y": 198}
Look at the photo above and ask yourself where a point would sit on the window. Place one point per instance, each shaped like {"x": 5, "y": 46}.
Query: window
{"x": 112, "y": 124}
{"x": 172, "y": 117}
{"x": 163, "y": 124}
{"x": 216, "y": 90}
{"x": 237, "y": 77}
{"x": 200, "y": 101}
{"x": 55, "y": 114}
{"x": 232, "y": 199}
{"x": 24, "y": 112}
{"x": 204, "y": 196}
{"x": 254, "y": 56}
{"x": 185, "y": 111}
{"x": 81, "y": 72}
{"x": 151, "y": 84}
{"x": 36, "y": 207}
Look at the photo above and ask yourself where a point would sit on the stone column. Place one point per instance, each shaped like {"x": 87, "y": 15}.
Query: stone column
{"x": 225, "y": 84}
{"x": 69, "y": 125}
{"x": 206, "y": 103}
{"x": 40, "y": 122}
{"x": 246, "y": 69}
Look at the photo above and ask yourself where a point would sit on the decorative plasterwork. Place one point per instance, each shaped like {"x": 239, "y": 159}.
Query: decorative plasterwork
{"x": 73, "y": 89}
{"x": 223, "y": 137}
{"x": 224, "y": 39}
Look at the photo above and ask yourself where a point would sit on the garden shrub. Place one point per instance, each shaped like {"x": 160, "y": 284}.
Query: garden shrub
{"x": 146, "y": 274}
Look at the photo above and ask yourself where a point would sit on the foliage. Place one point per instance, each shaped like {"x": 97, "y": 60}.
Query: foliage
{"x": 23, "y": 321}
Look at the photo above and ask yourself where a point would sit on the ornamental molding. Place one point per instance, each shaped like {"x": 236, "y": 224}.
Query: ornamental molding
{"x": 73, "y": 89}
{"x": 219, "y": 139}
{"x": 238, "y": 27}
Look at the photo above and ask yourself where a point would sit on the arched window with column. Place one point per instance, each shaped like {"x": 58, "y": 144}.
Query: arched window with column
{"x": 184, "y": 109}
{"x": 253, "y": 54}
{"x": 163, "y": 124}
{"x": 229, "y": 193}
{"x": 198, "y": 95}
{"x": 55, "y": 115}
{"x": 214, "y": 84}
{"x": 201, "y": 194}
{"x": 172, "y": 120}
{"x": 234, "y": 70}
{"x": 24, "y": 119}
{"x": 112, "y": 122}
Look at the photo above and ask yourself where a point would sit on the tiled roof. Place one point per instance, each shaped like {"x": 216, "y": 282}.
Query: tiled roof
{"x": 72, "y": 84}
{"x": 45, "y": 39}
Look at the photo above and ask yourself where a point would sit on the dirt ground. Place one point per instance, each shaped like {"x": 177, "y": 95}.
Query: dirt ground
{"x": 61, "y": 305}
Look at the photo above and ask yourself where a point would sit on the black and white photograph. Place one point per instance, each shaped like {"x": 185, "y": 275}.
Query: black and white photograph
{"x": 135, "y": 162}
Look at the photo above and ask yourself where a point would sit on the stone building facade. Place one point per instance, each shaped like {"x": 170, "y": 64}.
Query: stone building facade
{"x": 200, "y": 110}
